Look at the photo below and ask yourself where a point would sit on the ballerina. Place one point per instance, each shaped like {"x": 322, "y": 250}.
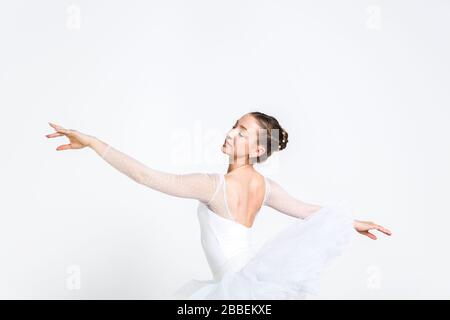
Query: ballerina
{"x": 285, "y": 267}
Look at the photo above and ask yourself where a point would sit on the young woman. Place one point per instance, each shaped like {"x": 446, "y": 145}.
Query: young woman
{"x": 285, "y": 267}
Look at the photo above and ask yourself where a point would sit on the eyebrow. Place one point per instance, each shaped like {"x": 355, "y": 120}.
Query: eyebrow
{"x": 240, "y": 125}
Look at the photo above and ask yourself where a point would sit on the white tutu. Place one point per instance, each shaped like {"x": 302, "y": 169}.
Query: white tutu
{"x": 285, "y": 267}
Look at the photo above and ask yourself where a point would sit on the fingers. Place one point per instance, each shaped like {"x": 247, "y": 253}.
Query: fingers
{"x": 369, "y": 225}
{"x": 60, "y": 131}
{"x": 370, "y": 235}
{"x": 383, "y": 229}
{"x": 380, "y": 228}
{"x": 53, "y": 135}
{"x": 58, "y": 128}
{"x": 64, "y": 147}
{"x": 55, "y": 126}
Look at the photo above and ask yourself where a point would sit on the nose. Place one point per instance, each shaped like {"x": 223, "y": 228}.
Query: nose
{"x": 228, "y": 139}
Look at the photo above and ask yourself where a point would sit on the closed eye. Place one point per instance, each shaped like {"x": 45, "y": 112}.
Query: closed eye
{"x": 240, "y": 133}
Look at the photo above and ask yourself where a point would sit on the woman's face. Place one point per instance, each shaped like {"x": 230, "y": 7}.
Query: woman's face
{"x": 241, "y": 140}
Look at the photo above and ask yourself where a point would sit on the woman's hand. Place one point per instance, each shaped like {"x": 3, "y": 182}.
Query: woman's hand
{"x": 363, "y": 227}
{"x": 77, "y": 139}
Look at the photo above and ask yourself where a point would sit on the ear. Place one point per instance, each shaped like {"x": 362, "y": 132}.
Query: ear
{"x": 260, "y": 150}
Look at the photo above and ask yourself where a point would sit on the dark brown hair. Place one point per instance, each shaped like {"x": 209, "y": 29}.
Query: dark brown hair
{"x": 273, "y": 133}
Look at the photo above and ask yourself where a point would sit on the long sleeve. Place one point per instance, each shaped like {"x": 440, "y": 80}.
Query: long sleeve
{"x": 200, "y": 186}
{"x": 279, "y": 199}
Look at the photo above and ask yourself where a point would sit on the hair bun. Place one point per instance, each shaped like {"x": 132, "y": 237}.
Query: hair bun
{"x": 273, "y": 136}
{"x": 283, "y": 139}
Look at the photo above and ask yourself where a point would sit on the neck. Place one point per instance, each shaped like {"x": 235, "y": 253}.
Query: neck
{"x": 239, "y": 165}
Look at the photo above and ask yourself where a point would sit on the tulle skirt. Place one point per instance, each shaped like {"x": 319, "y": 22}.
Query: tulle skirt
{"x": 286, "y": 267}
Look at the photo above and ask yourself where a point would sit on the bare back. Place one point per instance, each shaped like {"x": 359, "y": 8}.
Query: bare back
{"x": 245, "y": 196}
{"x": 239, "y": 197}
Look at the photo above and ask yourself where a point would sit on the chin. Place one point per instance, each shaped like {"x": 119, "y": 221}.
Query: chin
{"x": 225, "y": 149}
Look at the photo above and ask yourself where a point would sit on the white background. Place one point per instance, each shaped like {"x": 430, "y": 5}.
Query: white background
{"x": 362, "y": 87}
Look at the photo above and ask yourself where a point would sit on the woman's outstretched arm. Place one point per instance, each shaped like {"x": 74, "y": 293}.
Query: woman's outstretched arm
{"x": 200, "y": 186}
{"x": 279, "y": 199}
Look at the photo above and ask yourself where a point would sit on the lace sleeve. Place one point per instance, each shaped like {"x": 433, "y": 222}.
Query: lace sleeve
{"x": 200, "y": 186}
{"x": 281, "y": 200}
